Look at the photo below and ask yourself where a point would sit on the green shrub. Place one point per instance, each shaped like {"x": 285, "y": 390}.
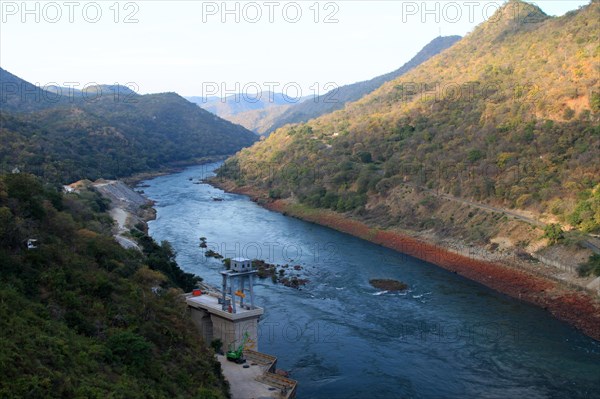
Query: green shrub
{"x": 592, "y": 266}
{"x": 553, "y": 232}
{"x": 130, "y": 349}
{"x": 216, "y": 344}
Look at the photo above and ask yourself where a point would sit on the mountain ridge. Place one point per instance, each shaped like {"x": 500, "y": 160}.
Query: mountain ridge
{"x": 107, "y": 135}
{"x": 266, "y": 121}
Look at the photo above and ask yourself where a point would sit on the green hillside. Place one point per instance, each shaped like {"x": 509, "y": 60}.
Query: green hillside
{"x": 507, "y": 116}
{"x": 81, "y": 317}
{"x": 108, "y": 134}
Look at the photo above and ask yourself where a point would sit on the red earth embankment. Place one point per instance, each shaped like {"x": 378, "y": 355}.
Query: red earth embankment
{"x": 577, "y": 308}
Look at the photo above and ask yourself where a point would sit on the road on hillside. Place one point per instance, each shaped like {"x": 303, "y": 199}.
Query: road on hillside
{"x": 588, "y": 242}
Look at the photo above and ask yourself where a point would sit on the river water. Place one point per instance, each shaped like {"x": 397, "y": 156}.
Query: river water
{"x": 446, "y": 337}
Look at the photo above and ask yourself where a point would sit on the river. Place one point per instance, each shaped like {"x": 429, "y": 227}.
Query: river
{"x": 446, "y": 337}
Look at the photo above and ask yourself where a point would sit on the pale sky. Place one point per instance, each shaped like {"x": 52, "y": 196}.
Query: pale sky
{"x": 192, "y": 47}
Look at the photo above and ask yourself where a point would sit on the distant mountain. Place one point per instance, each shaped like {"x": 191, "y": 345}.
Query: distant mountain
{"x": 243, "y": 102}
{"x": 266, "y": 112}
{"x": 62, "y": 90}
{"x": 273, "y": 118}
{"x": 508, "y": 116}
{"x": 109, "y": 90}
{"x": 108, "y": 131}
{"x": 91, "y": 92}
{"x": 200, "y": 100}
{"x": 260, "y": 121}
{"x": 18, "y": 95}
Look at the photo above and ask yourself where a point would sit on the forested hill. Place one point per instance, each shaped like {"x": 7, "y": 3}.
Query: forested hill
{"x": 81, "y": 317}
{"x": 509, "y": 116}
{"x": 109, "y": 132}
{"x": 336, "y": 99}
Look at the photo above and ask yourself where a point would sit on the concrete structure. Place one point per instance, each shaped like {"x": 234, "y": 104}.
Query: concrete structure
{"x": 214, "y": 322}
{"x": 222, "y": 315}
{"x": 241, "y": 272}
{"x": 241, "y": 265}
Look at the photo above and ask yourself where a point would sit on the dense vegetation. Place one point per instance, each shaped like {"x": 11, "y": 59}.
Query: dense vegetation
{"x": 508, "y": 115}
{"x": 82, "y": 317}
{"x": 110, "y": 133}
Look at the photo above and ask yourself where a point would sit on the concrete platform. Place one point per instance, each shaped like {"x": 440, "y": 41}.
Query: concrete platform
{"x": 215, "y": 323}
{"x": 211, "y": 303}
{"x": 258, "y": 380}
{"x": 243, "y": 383}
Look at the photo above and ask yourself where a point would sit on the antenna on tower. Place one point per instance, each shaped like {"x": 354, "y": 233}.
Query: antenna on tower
{"x": 440, "y": 31}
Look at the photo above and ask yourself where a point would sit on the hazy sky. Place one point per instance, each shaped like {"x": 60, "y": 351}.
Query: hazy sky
{"x": 195, "y": 46}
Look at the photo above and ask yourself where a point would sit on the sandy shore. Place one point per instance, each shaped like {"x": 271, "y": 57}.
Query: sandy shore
{"x": 578, "y": 308}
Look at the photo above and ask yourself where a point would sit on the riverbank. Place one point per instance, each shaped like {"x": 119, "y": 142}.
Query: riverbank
{"x": 514, "y": 278}
{"x": 128, "y": 208}
{"x": 135, "y": 179}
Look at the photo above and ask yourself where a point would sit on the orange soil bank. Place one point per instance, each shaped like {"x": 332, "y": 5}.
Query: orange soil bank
{"x": 576, "y": 308}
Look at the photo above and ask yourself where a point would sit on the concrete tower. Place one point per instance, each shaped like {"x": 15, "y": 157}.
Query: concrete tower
{"x": 227, "y": 315}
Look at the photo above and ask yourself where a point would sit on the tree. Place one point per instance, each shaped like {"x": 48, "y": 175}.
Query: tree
{"x": 554, "y": 233}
